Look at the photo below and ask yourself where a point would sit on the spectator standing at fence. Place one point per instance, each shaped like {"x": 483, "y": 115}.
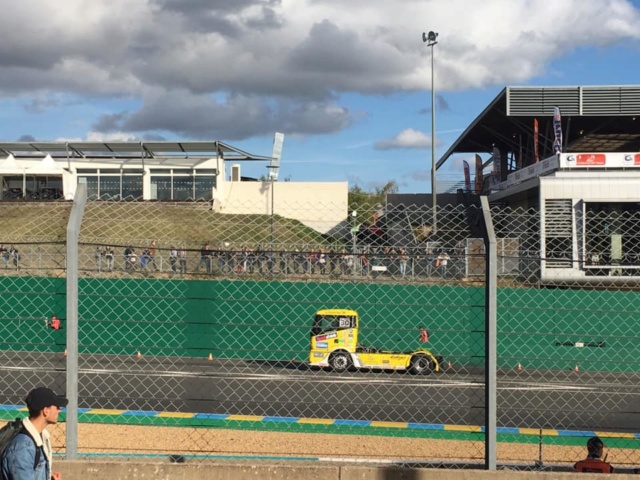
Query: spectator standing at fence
{"x": 346, "y": 262}
{"x": 4, "y": 254}
{"x": 205, "y": 258}
{"x": 182, "y": 256}
{"x": 173, "y": 258}
{"x": 322, "y": 261}
{"x": 284, "y": 257}
{"x": 306, "y": 261}
{"x": 404, "y": 260}
{"x": 298, "y": 260}
{"x": 312, "y": 258}
{"x": 108, "y": 255}
{"x": 252, "y": 258}
{"x": 364, "y": 264}
{"x": 16, "y": 257}
{"x": 151, "y": 255}
{"x": 442, "y": 261}
{"x": 130, "y": 259}
{"x": 29, "y": 454}
{"x": 594, "y": 462}
{"x": 98, "y": 257}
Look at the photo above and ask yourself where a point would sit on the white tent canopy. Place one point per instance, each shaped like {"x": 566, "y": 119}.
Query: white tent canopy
{"x": 9, "y": 166}
{"x": 47, "y": 166}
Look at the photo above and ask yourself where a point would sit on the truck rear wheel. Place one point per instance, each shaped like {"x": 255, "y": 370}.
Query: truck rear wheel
{"x": 421, "y": 365}
{"x": 340, "y": 361}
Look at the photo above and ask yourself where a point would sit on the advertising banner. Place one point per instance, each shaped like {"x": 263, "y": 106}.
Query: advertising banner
{"x": 557, "y": 130}
{"x": 479, "y": 179}
{"x": 467, "y": 176}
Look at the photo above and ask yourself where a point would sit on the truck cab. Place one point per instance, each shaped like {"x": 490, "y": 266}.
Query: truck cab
{"x": 334, "y": 344}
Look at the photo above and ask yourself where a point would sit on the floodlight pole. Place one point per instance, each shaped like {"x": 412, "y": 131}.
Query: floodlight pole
{"x": 431, "y": 39}
{"x": 272, "y": 177}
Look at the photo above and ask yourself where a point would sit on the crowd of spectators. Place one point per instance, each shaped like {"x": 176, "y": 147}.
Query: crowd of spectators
{"x": 228, "y": 260}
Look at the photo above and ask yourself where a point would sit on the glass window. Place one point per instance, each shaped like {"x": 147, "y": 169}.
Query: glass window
{"x": 160, "y": 188}
{"x": 330, "y": 323}
{"x": 92, "y": 171}
{"x": 131, "y": 187}
{"x": 109, "y": 170}
{"x": 92, "y": 185}
{"x": 206, "y": 171}
{"x": 182, "y": 187}
{"x": 109, "y": 187}
{"x": 204, "y": 187}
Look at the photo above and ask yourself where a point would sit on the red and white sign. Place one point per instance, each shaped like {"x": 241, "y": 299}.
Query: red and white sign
{"x": 636, "y": 159}
{"x": 585, "y": 159}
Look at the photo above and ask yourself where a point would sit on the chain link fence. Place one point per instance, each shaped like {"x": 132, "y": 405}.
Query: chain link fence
{"x": 32, "y": 289}
{"x": 567, "y": 328}
{"x": 198, "y": 333}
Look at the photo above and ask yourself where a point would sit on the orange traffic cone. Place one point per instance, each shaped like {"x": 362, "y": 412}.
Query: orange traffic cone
{"x": 519, "y": 367}
{"x": 576, "y": 369}
{"x": 211, "y": 357}
{"x": 139, "y": 355}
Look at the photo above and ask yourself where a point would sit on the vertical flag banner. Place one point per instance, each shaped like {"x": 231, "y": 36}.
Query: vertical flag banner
{"x": 495, "y": 157}
{"x": 557, "y": 130}
{"x": 536, "y": 152}
{"x": 479, "y": 179}
{"x": 467, "y": 176}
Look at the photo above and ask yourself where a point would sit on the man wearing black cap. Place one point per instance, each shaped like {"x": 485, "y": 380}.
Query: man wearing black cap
{"x": 28, "y": 456}
{"x": 594, "y": 462}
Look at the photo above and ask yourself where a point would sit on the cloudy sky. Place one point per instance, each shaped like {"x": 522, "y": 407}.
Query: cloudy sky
{"x": 346, "y": 81}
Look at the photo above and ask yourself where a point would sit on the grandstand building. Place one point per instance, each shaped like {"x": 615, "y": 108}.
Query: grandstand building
{"x": 166, "y": 171}
{"x": 573, "y": 155}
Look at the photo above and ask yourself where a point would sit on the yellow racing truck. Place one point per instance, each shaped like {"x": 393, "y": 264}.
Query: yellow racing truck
{"x": 334, "y": 344}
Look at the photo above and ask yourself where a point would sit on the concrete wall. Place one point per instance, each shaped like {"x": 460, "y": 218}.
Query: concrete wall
{"x": 322, "y": 206}
{"x": 82, "y": 470}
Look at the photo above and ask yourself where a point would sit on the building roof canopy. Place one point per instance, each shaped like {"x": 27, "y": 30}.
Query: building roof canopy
{"x": 123, "y": 150}
{"x": 594, "y": 119}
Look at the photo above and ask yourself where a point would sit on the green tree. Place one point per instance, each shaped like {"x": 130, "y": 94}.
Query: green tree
{"x": 366, "y": 202}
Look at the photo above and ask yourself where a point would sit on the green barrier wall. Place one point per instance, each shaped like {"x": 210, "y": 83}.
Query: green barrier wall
{"x": 270, "y": 321}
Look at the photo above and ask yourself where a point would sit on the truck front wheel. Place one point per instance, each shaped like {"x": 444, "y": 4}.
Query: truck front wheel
{"x": 340, "y": 361}
{"x": 421, "y": 365}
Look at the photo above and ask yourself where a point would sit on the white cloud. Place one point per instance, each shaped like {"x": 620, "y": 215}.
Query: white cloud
{"x": 408, "y": 138}
{"x": 296, "y": 51}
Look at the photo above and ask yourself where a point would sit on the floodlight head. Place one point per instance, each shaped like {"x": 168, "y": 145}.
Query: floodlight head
{"x": 430, "y": 37}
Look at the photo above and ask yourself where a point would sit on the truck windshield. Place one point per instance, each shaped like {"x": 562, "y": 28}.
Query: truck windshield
{"x": 330, "y": 323}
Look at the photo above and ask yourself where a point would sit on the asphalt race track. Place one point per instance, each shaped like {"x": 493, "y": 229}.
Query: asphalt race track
{"x": 556, "y": 400}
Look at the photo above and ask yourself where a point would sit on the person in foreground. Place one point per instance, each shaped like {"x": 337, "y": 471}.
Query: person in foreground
{"x": 29, "y": 455}
{"x": 594, "y": 462}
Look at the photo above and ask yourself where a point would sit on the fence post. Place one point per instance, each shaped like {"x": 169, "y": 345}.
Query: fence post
{"x": 73, "y": 233}
{"x": 491, "y": 290}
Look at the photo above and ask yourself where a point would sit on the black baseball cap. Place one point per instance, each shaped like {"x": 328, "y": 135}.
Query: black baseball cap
{"x": 42, "y": 397}
{"x": 594, "y": 444}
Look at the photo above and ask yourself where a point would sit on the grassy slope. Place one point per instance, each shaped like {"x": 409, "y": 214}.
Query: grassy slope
{"x": 135, "y": 222}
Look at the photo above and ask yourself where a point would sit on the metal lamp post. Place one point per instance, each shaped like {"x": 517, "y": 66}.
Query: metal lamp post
{"x": 354, "y": 233}
{"x": 431, "y": 40}
{"x": 354, "y": 230}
